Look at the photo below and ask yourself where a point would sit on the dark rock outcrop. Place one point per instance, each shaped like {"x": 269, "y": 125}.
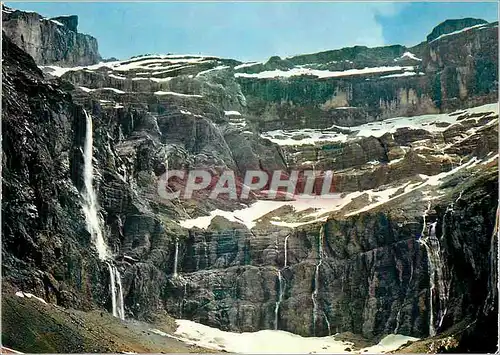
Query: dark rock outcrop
{"x": 450, "y": 26}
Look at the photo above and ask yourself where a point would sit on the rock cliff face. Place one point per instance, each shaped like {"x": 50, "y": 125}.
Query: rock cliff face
{"x": 50, "y": 40}
{"x": 407, "y": 248}
{"x": 358, "y": 85}
{"x": 450, "y": 26}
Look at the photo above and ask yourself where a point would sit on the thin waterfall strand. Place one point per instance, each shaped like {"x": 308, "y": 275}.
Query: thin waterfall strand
{"x": 437, "y": 282}
{"x": 120, "y": 306}
{"x": 278, "y": 302}
{"x": 286, "y": 250}
{"x": 113, "y": 290}
{"x": 314, "y": 295}
{"x": 176, "y": 257}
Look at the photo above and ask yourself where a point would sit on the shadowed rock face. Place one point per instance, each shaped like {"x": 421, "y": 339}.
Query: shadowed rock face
{"x": 450, "y": 26}
{"x": 71, "y": 21}
{"x": 192, "y": 112}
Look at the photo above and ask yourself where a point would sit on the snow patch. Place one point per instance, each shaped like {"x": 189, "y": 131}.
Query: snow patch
{"x": 246, "y": 65}
{"x": 175, "y": 94}
{"x": 322, "y": 73}
{"x": 113, "y": 89}
{"x": 57, "y": 22}
{"x": 390, "y": 343}
{"x": 232, "y": 113}
{"x": 250, "y": 215}
{"x": 220, "y": 67}
{"x": 261, "y": 342}
{"x": 410, "y": 55}
{"x": 271, "y": 341}
{"x": 459, "y": 31}
{"x": 117, "y": 77}
{"x": 86, "y": 89}
{"x": 406, "y": 73}
{"x": 29, "y": 295}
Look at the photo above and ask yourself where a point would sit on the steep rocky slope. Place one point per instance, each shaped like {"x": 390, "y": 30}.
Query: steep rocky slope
{"x": 410, "y": 134}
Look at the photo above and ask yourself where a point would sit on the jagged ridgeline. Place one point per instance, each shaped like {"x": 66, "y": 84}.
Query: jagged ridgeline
{"x": 94, "y": 260}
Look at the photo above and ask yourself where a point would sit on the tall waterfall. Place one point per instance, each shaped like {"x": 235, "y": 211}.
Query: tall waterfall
{"x": 113, "y": 290}
{"x": 90, "y": 208}
{"x": 493, "y": 284}
{"x": 314, "y": 295}
{"x": 120, "y": 306}
{"x": 278, "y": 302}
{"x": 438, "y": 284}
{"x": 286, "y": 250}
{"x": 176, "y": 257}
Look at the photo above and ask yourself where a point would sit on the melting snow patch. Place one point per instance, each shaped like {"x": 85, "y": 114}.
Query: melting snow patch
{"x": 390, "y": 343}
{"x": 322, "y": 73}
{"x": 246, "y": 65}
{"x": 272, "y": 341}
{"x": 159, "y": 80}
{"x": 117, "y": 77}
{"x": 232, "y": 113}
{"x": 29, "y": 295}
{"x": 406, "y": 73}
{"x": 86, "y": 89}
{"x": 431, "y": 123}
{"x": 249, "y": 215}
{"x": 114, "y": 90}
{"x": 220, "y": 67}
{"x": 57, "y": 71}
{"x": 459, "y": 31}
{"x": 303, "y": 137}
{"x": 175, "y": 94}
{"x": 261, "y": 342}
{"x": 410, "y": 55}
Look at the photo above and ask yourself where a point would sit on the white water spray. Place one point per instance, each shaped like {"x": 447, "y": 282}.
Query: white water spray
{"x": 176, "y": 257}
{"x": 120, "y": 305}
{"x": 314, "y": 295}
{"x": 436, "y": 270}
{"x": 113, "y": 291}
{"x": 90, "y": 208}
{"x": 278, "y": 302}
{"x": 286, "y": 250}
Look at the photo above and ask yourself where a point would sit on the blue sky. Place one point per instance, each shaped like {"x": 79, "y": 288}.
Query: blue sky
{"x": 255, "y": 30}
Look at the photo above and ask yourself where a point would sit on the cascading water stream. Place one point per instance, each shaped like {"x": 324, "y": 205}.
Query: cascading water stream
{"x": 316, "y": 278}
{"x": 436, "y": 270}
{"x": 90, "y": 199}
{"x": 120, "y": 306}
{"x": 493, "y": 284}
{"x": 281, "y": 283}
{"x": 278, "y": 302}
{"x": 90, "y": 208}
{"x": 286, "y": 250}
{"x": 113, "y": 290}
{"x": 176, "y": 257}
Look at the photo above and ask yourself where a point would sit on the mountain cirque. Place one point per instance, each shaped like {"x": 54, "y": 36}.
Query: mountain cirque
{"x": 411, "y": 135}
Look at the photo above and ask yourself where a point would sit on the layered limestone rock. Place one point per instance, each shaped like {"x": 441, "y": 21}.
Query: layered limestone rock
{"x": 434, "y": 76}
{"x": 418, "y": 193}
{"x": 50, "y": 40}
